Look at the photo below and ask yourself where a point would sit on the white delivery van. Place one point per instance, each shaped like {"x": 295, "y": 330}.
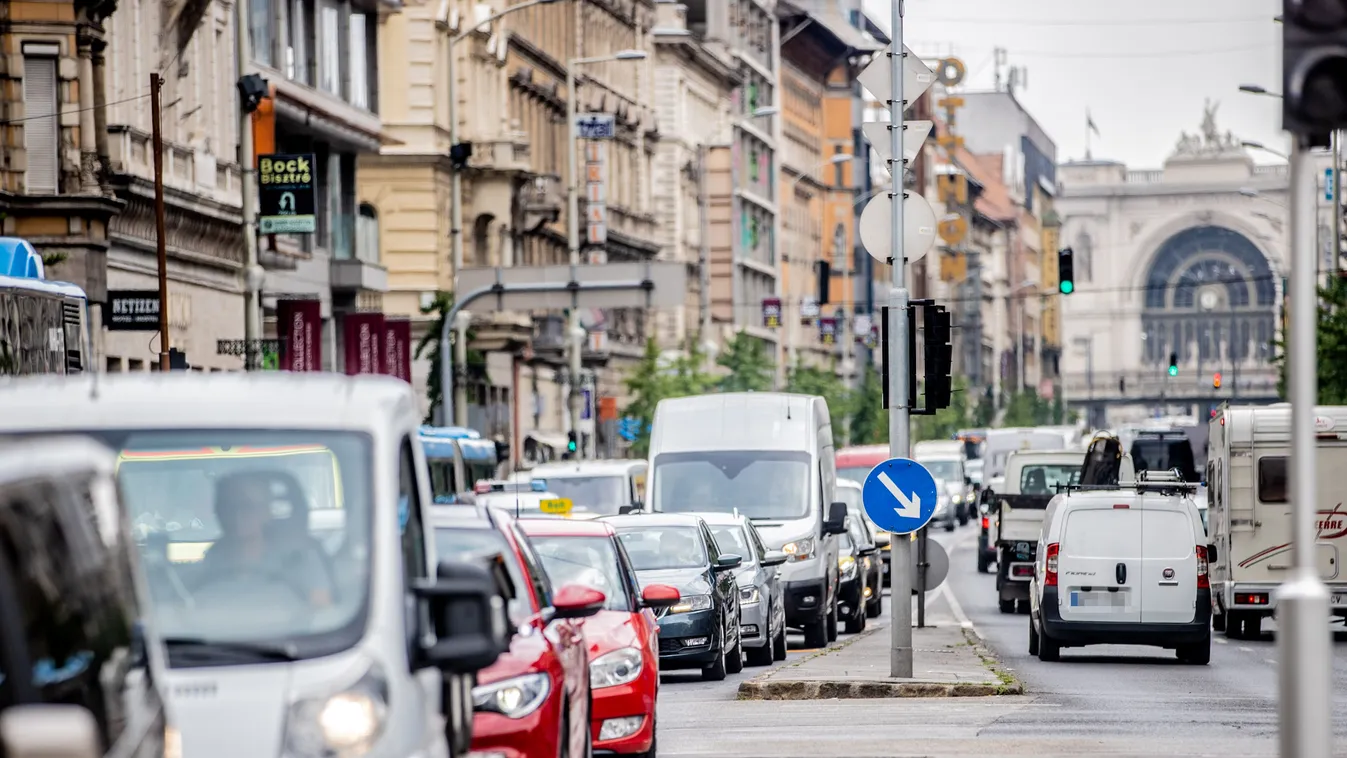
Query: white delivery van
{"x": 603, "y": 488}
{"x": 1122, "y": 566}
{"x": 1249, "y": 511}
{"x": 767, "y": 456}
{"x": 1002, "y": 442}
{"x": 282, "y": 539}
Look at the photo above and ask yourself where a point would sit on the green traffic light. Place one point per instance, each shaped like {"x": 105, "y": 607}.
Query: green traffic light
{"x": 1173, "y": 370}
{"x": 1068, "y": 287}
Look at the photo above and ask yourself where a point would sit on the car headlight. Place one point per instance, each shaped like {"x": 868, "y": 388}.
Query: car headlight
{"x": 172, "y": 742}
{"x": 618, "y": 667}
{"x": 749, "y": 595}
{"x": 957, "y": 499}
{"x": 847, "y": 565}
{"x": 513, "y": 698}
{"x": 800, "y": 550}
{"x": 344, "y": 725}
{"x": 690, "y": 603}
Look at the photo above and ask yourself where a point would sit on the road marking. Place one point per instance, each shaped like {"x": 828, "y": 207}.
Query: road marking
{"x": 1222, "y": 641}
{"x": 944, "y": 591}
{"x": 1269, "y": 660}
{"x": 1246, "y": 649}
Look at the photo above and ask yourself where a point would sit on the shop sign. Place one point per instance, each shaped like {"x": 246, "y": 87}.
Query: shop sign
{"x": 362, "y": 334}
{"x": 286, "y": 194}
{"x": 300, "y": 324}
{"x": 132, "y": 311}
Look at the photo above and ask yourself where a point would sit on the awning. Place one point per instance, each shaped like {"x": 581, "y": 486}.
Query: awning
{"x": 846, "y": 34}
{"x": 548, "y": 439}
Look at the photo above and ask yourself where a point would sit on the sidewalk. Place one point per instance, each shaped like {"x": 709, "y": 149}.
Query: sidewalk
{"x": 947, "y": 661}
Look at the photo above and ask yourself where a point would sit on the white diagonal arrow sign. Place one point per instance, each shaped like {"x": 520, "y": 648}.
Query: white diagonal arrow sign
{"x": 907, "y": 508}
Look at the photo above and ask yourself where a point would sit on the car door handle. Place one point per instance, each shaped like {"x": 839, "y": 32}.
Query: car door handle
{"x": 1169, "y": 583}
{"x": 1120, "y": 571}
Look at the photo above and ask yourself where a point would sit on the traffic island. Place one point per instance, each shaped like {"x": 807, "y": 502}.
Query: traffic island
{"x": 947, "y": 661}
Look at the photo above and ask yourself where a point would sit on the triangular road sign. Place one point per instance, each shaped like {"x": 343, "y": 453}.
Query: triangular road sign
{"x": 915, "y": 134}
{"x": 917, "y": 77}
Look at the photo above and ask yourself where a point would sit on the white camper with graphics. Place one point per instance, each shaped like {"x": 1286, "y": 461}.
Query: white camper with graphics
{"x": 1249, "y": 511}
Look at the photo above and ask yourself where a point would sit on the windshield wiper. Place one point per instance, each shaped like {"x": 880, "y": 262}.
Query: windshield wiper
{"x": 263, "y": 650}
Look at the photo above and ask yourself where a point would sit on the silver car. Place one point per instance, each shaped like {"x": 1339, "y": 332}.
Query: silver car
{"x": 762, "y": 607}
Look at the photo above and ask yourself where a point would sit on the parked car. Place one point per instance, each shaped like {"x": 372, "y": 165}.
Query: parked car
{"x": 762, "y": 608}
{"x": 703, "y": 630}
{"x": 534, "y": 701}
{"x": 878, "y": 565}
{"x": 623, "y": 638}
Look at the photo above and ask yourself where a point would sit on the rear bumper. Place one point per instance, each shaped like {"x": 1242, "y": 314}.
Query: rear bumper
{"x": 806, "y": 601}
{"x": 1079, "y": 633}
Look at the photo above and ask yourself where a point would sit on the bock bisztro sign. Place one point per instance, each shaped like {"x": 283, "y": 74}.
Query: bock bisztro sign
{"x": 285, "y": 192}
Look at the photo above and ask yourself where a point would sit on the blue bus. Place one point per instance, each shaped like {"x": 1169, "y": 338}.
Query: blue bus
{"x": 458, "y": 458}
{"x": 44, "y": 325}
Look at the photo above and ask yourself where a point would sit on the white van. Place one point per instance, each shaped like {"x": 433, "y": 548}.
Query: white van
{"x": 767, "y": 456}
{"x": 603, "y": 488}
{"x": 1122, "y": 567}
{"x": 290, "y": 575}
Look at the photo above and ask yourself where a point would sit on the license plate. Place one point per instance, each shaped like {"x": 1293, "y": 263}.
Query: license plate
{"x": 1098, "y": 600}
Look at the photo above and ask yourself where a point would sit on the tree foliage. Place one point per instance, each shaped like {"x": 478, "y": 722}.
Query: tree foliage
{"x": 1026, "y": 408}
{"x": 429, "y": 348}
{"x": 824, "y": 382}
{"x": 869, "y": 420}
{"x": 654, "y": 378}
{"x": 749, "y": 367}
{"x": 1332, "y": 346}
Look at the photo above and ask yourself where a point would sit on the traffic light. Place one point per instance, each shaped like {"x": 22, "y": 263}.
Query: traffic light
{"x": 825, "y": 273}
{"x": 1216, "y": 380}
{"x": 572, "y": 443}
{"x": 1173, "y": 364}
{"x": 1122, "y": 385}
{"x": 1066, "y": 271}
{"x": 939, "y": 352}
{"x": 1314, "y": 66}
{"x": 177, "y": 360}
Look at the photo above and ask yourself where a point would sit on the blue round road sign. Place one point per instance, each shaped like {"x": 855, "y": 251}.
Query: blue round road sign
{"x": 900, "y": 495}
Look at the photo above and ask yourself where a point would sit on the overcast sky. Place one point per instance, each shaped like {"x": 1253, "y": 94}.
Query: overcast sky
{"x": 1141, "y": 68}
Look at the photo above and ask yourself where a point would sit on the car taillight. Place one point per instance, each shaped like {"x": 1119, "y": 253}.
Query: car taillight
{"x": 986, "y": 522}
{"x": 1050, "y": 576}
{"x": 1203, "y": 580}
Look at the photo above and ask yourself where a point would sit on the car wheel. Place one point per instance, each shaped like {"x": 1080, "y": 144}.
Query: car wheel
{"x": 564, "y": 741}
{"x": 716, "y": 671}
{"x": 734, "y": 657}
{"x": 1198, "y": 654}
{"x": 855, "y": 623}
{"x": 832, "y": 622}
{"x": 1006, "y": 606}
{"x": 1218, "y": 622}
{"x": 1033, "y": 638}
{"x": 1234, "y": 625}
{"x": 984, "y": 563}
{"x": 1048, "y": 649}
{"x": 875, "y": 608}
{"x": 779, "y": 645}
{"x": 816, "y": 634}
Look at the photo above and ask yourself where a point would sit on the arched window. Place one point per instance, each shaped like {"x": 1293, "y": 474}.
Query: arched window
{"x": 367, "y": 233}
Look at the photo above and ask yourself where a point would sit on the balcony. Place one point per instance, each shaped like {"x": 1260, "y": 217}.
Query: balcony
{"x": 355, "y": 253}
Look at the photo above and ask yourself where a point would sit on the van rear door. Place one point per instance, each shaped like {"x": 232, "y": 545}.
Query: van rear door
{"x": 1099, "y": 564}
{"x": 1168, "y": 563}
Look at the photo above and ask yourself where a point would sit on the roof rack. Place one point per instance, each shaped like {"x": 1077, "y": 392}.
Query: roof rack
{"x": 1169, "y": 482}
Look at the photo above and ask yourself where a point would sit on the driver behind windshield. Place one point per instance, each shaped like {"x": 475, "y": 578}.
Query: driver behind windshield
{"x": 680, "y": 548}
{"x": 248, "y": 546}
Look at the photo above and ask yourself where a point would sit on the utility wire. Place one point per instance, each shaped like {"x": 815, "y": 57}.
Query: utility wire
{"x": 7, "y": 122}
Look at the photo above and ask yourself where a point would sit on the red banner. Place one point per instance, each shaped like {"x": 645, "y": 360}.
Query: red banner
{"x": 299, "y": 324}
{"x": 397, "y": 346}
{"x": 362, "y": 334}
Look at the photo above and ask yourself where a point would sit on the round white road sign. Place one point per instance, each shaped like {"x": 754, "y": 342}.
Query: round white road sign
{"x": 918, "y": 227}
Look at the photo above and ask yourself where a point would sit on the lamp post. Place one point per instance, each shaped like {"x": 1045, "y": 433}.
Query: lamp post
{"x": 576, "y": 333}
{"x": 458, "y": 163}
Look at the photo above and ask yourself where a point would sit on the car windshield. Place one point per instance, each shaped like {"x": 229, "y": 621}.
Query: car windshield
{"x": 731, "y": 539}
{"x": 603, "y": 495}
{"x": 587, "y": 561}
{"x": 652, "y": 548}
{"x": 1044, "y": 478}
{"x": 255, "y": 538}
{"x": 478, "y": 543}
{"x": 943, "y": 470}
{"x": 759, "y": 484}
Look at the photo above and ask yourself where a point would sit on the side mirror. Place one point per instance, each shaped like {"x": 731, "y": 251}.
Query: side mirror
{"x": 49, "y": 731}
{"x": 467, "y": 615}
{"x": 968, "y": 481}
{"x": 728, "y": 561}
{"x": 576, "y": 601}
{"x": 1211, "y": 555}
{"x": 836, "y": 523}
{"x": 660, "y": 596}
{"x": 774, "y": 558}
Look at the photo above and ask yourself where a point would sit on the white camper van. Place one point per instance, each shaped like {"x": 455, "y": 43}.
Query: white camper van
{"x": 767, "y": 456}
{"x": 1249, "y": 511}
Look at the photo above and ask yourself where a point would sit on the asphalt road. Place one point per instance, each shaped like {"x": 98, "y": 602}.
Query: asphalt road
{"x": 1106, "y": 701}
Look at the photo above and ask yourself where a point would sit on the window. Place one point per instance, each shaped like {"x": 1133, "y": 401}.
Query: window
{"x": 534, "y": 567}
{"x": 359, "y": 67}
{"x": 261, "y": 21}
{"x": 299, "y": 63}
{"x": 329, "y": 43}
{"x": 1272, "y": 480}
{"x": 760, "y": 484}
{"x": 41, "y": 127}
{"x": 409, "y": 517}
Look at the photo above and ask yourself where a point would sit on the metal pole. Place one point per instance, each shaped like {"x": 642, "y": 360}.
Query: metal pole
{"x": 704, "y": 272}
{"x": 900, "y": 653}
{"x": 1337, "y": 200}
{"x": 574, "y": 338}
{"x": 922, "y": 564}
{"x": 160, "y": 223}
{"x": 456, "y": 179}
{"x": 461, "y": 359}
{"x": 252, "y": 272}
{"x": 1304, "y": 641}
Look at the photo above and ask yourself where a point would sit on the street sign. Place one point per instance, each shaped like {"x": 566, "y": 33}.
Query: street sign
{"x": 917, "y": 77}
{"x": 899, "y": 496}
{"x": 915, "y": 134}
{"x": 595, "y": 126}
{"x": 1328, "y": 184}
{"x": 132, "y": 311}
{"x": 285, "y": 194}
{"x": 669, "y": 286}
{"x": 937, "y": 566}
{"x": 919, "y": 227}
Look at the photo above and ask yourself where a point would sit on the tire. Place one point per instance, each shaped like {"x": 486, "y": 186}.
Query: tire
{"x": 779, "y": 650}
{"x": 1218, "y": 622}
{"x": 832, "y": 623}
{"x": 1198, "y": 654}
{"x": 1006, "y": 606}
{"x": 1048, "y": 649}
{"x": 1022, "y": 607}
{"x": 816, "y": 634}
{"x": 949, "y": 525}
{"x": 856, "y": 624}
{"x": 1234, "y": 625}
{"x": 1253, "y": 626}
{"x": 734, "y": 657}
{"x": 716, "y": 671}
{"x": 1033, "y": 638}
{"x": 875, "y": 609}
{"x": 760, "y": 656}
{"x": 564, "y": 741}
{"x": 984, "y": 563}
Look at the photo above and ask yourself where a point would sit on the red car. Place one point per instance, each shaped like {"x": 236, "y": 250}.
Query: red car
{"x": 623, "y": 638}
{"x": 534, "y": 701}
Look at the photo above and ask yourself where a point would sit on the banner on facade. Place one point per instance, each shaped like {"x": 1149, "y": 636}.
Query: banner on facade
{"x": 827, "y": 330}
{"x": 286, "y": 194}
{"x": 809, "y": 311}
{"x": 863, "y": 325}
{"x": 132, "y": 311}
{"x": 362, "y": 334}
{"x": 771, "y": 312}
{"x": 397, "y": 346}
{"x": 299, "y": 323}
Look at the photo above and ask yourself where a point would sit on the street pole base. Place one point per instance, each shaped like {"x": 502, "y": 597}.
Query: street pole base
{"x": 900, "y": 663}
{"x": 1305, "y": 654}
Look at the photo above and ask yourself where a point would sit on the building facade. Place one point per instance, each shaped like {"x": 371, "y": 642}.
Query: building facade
{"x": 1185, "y": 262}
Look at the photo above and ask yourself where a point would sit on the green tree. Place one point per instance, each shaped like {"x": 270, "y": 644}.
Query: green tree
{"x": 985, "y": 411}
{"x": 429, "y": 348}
{"x": 687, "y": 375}
{"x": 750, "y": 367}
{"x": 654, "y": 379}
{"x": 809, "y": 380}
{"x": 1332, "y": 346}
{"x": 869, "y": 419}
{"x": 946, "y": 421}
{"x": 1028, "y": 409}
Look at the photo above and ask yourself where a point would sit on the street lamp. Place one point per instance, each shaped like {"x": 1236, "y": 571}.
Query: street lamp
{"x": 1251, "y": 145}
{"x": 1255, "y": 89}
{"x": 458, "y": 161}
{"x": 576, "y": 332}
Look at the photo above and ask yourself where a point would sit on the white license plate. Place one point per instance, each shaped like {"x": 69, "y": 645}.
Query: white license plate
{"x": 1098, "y": 600}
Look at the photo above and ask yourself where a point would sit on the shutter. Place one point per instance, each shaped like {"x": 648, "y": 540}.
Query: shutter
{"x": 41, "y": 128}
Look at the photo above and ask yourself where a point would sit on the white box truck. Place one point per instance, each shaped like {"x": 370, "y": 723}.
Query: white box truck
{"x": 1249, "y": 511}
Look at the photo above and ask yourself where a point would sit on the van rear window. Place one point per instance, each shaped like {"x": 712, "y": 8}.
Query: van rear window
{"x": 1102, "y": 533}
{"x": 1272, "y": 486}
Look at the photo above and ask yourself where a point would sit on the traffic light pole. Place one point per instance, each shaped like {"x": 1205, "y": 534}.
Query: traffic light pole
{"x": 1304, "y": 643}
{"x": 900, "y": 653}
